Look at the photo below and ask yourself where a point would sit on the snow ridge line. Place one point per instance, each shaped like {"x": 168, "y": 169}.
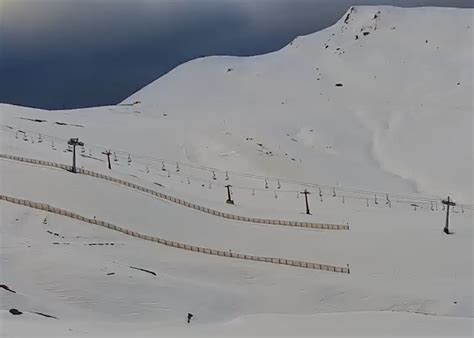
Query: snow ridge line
{"x": 179, "y": 201}
{"x": 204, "y": 250}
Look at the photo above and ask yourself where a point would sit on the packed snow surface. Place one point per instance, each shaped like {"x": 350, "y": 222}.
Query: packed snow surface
{"x": 373, "y": 116}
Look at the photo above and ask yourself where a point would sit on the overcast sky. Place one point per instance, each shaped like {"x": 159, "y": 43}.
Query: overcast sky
{"x": 77, "y": 53}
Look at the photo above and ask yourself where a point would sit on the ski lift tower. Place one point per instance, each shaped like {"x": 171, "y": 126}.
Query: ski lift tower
{"x": 74, "y": 142}
{"x": 306, "y": 193}
{"x": 449, "y": 203}
{"x": 229, "y": 196}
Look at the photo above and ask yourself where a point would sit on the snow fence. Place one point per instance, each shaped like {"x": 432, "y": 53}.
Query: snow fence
{"x": 324, "y": 226}
{"x": 204, "y": 250}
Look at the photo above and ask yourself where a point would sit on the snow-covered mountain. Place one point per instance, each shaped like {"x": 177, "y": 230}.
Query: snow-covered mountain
{"x": 374, "y": 114}
{"x": 385, "y": 90}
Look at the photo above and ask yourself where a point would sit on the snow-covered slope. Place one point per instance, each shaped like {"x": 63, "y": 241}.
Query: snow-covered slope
{"x": 405, "y": 105}
{"x": 379, "y": 102}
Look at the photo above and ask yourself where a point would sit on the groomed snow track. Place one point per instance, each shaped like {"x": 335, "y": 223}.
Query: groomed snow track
{"x": 208, "y": 251}
{"x": 179, "y": 201}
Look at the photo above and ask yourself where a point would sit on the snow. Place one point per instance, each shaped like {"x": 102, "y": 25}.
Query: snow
{"x": 400, "y": 124}
{"x": 359, "y": 324}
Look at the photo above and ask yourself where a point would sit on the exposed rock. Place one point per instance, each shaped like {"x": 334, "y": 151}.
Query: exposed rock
{"x": 15, "y": 312}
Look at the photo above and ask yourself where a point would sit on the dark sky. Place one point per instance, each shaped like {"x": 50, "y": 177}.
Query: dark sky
{"x": 78, "y": 53}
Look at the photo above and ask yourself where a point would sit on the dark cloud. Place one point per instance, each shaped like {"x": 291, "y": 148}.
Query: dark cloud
{"x": 76, "y": 53}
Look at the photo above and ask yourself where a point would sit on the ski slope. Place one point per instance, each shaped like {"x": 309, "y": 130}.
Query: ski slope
{"x": 358, "y": 114}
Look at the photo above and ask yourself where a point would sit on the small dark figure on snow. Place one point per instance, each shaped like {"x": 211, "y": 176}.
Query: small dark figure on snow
{"x": 15, "y": 312}
{"x": 190, "y": 315}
